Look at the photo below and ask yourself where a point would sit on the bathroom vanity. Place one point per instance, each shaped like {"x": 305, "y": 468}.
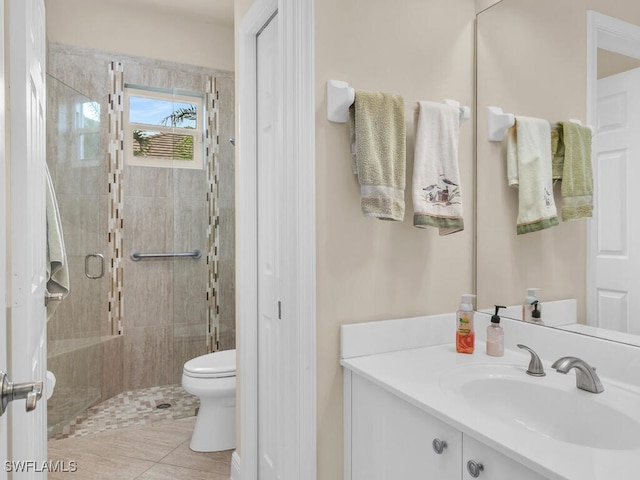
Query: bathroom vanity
{"x": 392, "y": 438}
{"x": 416, "y": 409}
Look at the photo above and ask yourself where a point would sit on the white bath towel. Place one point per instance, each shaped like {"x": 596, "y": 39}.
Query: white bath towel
{"x": 529, "y": 169}
{"x": 57, "y": 266}
{"x": 437, "y": 194}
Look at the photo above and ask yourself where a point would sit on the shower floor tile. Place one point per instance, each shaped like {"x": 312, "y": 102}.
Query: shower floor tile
{"x": 132, "y": 408}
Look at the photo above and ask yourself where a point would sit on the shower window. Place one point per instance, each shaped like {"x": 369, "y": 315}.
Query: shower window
{"x": 163, "y": 128}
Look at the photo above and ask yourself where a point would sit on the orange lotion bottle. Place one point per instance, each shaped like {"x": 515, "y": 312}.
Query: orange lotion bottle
{"x": 465, "y": 337}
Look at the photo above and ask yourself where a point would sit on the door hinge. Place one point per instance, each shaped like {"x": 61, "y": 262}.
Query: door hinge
{"x": 279, "y": 310}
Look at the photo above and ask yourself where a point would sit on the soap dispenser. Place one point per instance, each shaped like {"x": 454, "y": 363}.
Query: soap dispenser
{"x": 528, "y": 305}
{"x": 495, "y": 335}
{"x": 465, "y": 336}
{"x": 536, "y": 314}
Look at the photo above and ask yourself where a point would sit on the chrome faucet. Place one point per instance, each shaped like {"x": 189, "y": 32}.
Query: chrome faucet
{"x": 586, "y": 376}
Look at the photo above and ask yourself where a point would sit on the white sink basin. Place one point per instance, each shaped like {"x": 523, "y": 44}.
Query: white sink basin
{"x": 549, "y": 406}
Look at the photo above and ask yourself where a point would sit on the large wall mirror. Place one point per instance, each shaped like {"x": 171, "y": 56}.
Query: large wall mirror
{"x": 553, "y": 60}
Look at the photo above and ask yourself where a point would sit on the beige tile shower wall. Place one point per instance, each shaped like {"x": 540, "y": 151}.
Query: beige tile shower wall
{"x": 164, "y": 209}
{"x": 369, "y": 269}
{"x": 531, "y": 61}
{"x": 227, "y": 253}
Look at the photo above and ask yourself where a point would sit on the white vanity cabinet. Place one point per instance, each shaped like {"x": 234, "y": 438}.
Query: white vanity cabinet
{"x": 391, "y": 439}
{"x": 388, "y": 438}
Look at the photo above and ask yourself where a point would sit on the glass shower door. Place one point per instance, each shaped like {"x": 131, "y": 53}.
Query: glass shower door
{"x": 75, "y": 160}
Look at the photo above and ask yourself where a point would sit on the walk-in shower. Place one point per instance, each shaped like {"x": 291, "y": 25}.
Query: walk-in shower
{"x": 129, "y": 324}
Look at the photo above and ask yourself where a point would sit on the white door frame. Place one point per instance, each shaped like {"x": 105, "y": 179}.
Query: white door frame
{"x": 298, "y": 130}
{"x": 4, "y": 268}
{"x": 620, "y": 37}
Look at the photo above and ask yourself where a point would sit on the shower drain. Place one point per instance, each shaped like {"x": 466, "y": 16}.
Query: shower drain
{"x": 163, "y": 405}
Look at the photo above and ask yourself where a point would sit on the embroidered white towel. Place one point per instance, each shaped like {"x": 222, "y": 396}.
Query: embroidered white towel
{"x": 437, "y": 195}
{"x": 529, "y": 169}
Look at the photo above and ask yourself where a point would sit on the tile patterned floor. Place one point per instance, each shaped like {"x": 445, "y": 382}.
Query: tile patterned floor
{"x": 156, "y": 451}
{"x": 138, "y": 407}
{"x": 128, "y": 438}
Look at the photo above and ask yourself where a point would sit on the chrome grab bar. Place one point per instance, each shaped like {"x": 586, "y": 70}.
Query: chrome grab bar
{"x": 86, "y": 265}
{"x": 137, "y": 256}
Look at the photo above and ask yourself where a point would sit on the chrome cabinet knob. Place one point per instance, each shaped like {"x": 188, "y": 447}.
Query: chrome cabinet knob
{"x": 474, "y": 468}
{"x": 438, "y": 445}
{"x": 31, "y": 391}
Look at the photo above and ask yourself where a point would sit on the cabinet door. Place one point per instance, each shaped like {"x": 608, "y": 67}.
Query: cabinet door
{"x": 495, "y": 466}
{"x": 392, "y": 439}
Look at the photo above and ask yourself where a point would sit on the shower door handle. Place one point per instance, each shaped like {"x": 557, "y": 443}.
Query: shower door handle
{"x": 31, "y": 391}
{"x": 87, "y": 261}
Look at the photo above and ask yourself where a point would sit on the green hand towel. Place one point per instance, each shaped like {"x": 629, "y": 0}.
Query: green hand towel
{"x": 557, "y": 152}
{"x": 378, "y": 135}
{"x": 577, "y": 176}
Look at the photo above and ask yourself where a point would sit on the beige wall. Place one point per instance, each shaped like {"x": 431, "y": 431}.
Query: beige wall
{"x": 611, "y": 63}
{"x": 134, "y": 30}
{"x": 531, "y": 61}
{"x": 369, "y": 269}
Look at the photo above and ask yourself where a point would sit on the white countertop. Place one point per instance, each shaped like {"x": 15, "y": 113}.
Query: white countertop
{"x": 415, "y": 375}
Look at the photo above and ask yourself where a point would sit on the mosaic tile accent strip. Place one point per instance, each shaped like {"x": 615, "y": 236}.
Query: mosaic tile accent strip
{"x": 136, "y": 407}
{"x": 213, "y": 197}
{"x": 116, "y": 166}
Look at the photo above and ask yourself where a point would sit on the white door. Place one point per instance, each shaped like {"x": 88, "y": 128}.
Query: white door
{"x": 27, "y": 441}
{"x": 614, "y": 292}
{"x": 270, "y": 185}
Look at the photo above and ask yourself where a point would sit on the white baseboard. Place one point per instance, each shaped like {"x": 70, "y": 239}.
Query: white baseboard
{"x": 235, "y": 466}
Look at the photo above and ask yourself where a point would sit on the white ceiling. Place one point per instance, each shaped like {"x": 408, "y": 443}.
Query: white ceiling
{"x": 219, "y": 11}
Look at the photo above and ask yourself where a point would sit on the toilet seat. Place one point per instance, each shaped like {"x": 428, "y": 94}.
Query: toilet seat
{"x": 212, "y": 365}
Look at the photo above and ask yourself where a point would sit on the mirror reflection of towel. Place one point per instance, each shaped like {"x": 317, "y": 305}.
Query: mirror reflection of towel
{"x": 577, "y": 178}
{"x": 57, "y": 266}
{"x": 529, "y": 169}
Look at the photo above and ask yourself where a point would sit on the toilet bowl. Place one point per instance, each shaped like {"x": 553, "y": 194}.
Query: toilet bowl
{"x": 212, "y": 377}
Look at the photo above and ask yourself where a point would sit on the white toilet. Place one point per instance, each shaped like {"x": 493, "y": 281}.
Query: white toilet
{"x": 212, "y": 377}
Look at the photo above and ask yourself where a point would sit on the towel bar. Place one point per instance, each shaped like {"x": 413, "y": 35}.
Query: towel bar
{"x": 137, "y": 256}
{"x": 498, "y": 123}
{"x": 340, "y": 96}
